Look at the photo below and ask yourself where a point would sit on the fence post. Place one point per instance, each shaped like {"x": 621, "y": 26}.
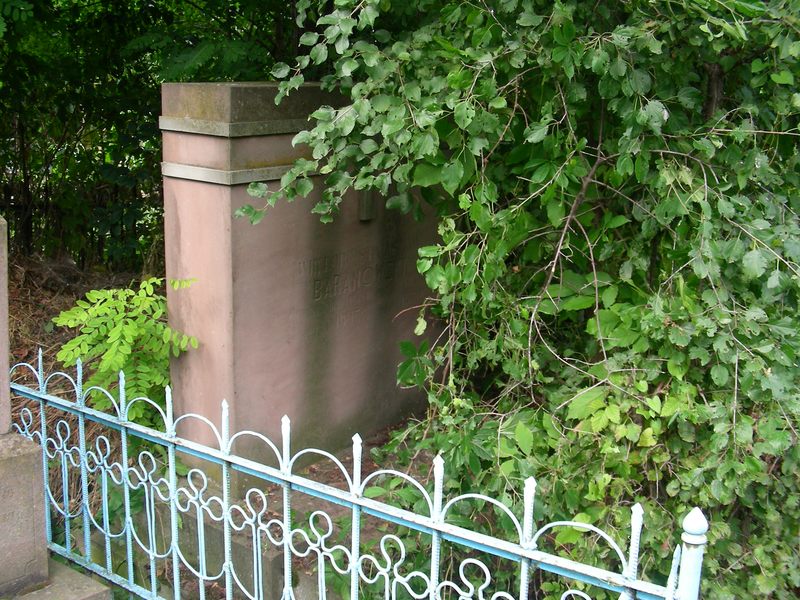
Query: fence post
{"x": 23, "y": 561}
{"x": 695, "y": 527}
{"x": 5, "y": 395}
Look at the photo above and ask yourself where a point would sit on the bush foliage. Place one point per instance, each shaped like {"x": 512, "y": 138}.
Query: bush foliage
{"x": 125, "y": 330}
{"x": 616, "y": 193}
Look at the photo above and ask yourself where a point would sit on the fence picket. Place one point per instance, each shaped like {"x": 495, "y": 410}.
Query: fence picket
{"x": 392, "y": 572}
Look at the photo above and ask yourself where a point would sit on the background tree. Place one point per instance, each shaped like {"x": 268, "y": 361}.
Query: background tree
{"x": 616, "y": 191}
{"x": 80, "y": 95}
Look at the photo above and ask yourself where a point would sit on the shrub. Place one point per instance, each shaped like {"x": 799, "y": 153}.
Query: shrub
{"x": 124, "y": 330}
{"x": 616, "y": 186}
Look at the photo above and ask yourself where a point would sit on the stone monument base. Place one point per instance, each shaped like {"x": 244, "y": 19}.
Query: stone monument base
{"x": 23, "y": 559}
{"x": 25, "y": 569}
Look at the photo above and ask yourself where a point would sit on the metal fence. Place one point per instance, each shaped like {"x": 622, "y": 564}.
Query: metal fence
{"x": 116, "y": 504}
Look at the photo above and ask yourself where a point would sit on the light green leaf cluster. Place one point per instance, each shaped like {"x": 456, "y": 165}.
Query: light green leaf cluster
{"x": 125, "y": 330}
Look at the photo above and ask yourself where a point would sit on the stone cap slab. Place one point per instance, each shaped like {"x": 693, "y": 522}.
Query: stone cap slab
{"x": 239, "y": 109}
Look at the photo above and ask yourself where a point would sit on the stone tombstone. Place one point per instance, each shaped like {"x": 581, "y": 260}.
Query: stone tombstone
{"x": 293, "y": 316}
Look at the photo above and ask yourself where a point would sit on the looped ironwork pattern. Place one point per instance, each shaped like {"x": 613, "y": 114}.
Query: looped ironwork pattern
{"x": 126, "y": 508}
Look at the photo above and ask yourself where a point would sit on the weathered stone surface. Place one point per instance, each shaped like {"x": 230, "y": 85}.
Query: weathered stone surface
{"x": 238, "y": 109}
{"x": 5, "y": 399}
{"x": 233, "y": 154}
{"x": 23, "y": 560}
{"x": 293, "y": 317}
{"x": 67, "y": 584}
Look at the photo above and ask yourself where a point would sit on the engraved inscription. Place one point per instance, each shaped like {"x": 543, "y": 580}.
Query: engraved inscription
{"x": 346, "y": 273}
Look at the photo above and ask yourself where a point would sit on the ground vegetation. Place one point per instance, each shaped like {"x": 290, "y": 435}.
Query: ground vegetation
{"x": 618, "y": 260}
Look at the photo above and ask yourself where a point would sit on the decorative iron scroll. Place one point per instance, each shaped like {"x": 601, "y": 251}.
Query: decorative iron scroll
{"x": 120, "y": 509}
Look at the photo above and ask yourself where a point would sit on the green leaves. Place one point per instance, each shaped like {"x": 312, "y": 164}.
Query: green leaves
{"x": 587, "y": 402}
{"x": 617, "y": 259}
{"x": 524, "y": 437}
{"x": 783, "y": 77}
{"x": 319, "y": 54}
{"x": 451, "y": 176}
{"x": 125, "y": 330}
{"x": 463, "y": 114}
{"x": 555, "y": 212}
{"x": 280, "y": 70}
{"x": 347, "y": 66}
{"x": 754, "y": 264}
{"x": 536, "y": 133}
{"x": 654, "y": 114}
{"x": 720, "y": 375}
{"x": 426, "y": 175}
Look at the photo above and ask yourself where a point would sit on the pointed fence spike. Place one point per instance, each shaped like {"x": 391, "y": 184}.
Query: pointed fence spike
{"x": 695, "y": 527}
{"x": 632, "y": 569}
{"x": 438, "y": 466}
{"x": 170, "y": 424}
{"x": 637, "y": 522}
{"x": 438, "y": 485}
{"x": 527, "y": 519}
{"x": 40, "y": 370}
{"x": 122, "y": 399}
{"x": 226, "y": 424}
{"x": 529, "y": 497}
{"x": 672, "y": 581}
{"x": 79, "y": 382}
{"x": 695, "y": 523}
{"x": 358, "y": 449}
{"x": 286, "y": 432}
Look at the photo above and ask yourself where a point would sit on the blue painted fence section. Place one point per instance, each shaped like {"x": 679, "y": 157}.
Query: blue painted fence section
{"x": 139, "y": 541}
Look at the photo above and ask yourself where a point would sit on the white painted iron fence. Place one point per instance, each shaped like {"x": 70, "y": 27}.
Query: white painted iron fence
{"x": 117, "y": 505}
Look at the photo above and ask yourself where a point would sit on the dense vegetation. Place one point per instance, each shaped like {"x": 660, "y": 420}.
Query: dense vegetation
{"x": 80, "y": 97}
{"x": 616, "y": 190}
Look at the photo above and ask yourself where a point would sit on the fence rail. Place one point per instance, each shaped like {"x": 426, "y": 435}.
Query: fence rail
{"x": 120, "y": 509}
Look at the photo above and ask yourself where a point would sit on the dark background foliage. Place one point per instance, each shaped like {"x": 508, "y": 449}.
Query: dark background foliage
{"x": 80, "y": 99}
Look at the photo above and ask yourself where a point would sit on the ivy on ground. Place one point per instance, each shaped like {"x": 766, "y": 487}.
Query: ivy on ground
{"x": 616, "y": 188}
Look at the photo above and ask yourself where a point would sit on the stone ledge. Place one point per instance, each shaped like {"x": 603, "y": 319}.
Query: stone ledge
{"x": 66, "y": 584}
{"x": 242, "y": 102}
{"x": 220, "y": 176}
{"x": 231, "y": 130}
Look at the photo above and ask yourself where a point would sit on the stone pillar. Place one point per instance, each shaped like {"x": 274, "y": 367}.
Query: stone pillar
{"x": 23, "y": 561}
{"x": 293, "y": 317}
{"x": 5, "y": 399}
{"x": 25, "y": 569}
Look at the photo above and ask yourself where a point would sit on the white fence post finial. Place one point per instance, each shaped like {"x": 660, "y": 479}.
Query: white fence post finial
{"x": 632, "y": 572}
{"x": 695, "y": 527}
{"x": 286, "y": 446}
